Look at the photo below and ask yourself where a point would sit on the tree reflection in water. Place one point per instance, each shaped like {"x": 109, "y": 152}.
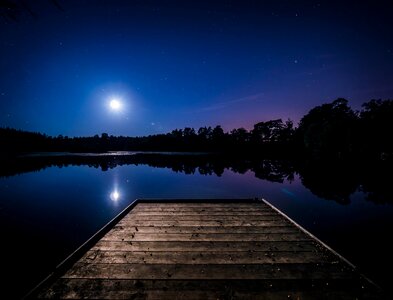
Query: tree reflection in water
{"x": 330, "y": 180}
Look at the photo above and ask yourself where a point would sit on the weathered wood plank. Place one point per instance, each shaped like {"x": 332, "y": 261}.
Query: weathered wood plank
{"x": 205, "y": 250}
{"x": 204, "y": 223}
{"x": 206, "y": 229}
{"x": 209, "y": 271}
{"x": 205, "y": 246}
{"x": 201, "y": 204}
{"x": 199, "y": 218}
{"x": 219, "y": 237}
{"x": 222, "y": 257}
{"x": 203, "y": 209}
{"x": 212, "y": 212}
{"x": 202, "y": 289}
{"x": 199, "y": 294}
{"x": 176, "y": 213}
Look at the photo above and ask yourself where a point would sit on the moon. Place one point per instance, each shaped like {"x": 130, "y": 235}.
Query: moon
{"x": 115, "y": 104}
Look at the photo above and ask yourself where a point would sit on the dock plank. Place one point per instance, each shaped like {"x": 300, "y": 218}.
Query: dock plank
{"x": 191, "y": 204}
{"x": 209, "y": 271}
{"x": 204, "y": 289}
{"x": 214, "y": 212}
{"x": 196, "y": 257}
{"x": 201, "y": 218}
{"x": 205, "y": 229}
{"x": 189, "y": 249}
{"x": 204, "y": 210}
{"x": 230, "y": 223}
{"x": 204, "y": 246}
{"x": 220, "y": 237}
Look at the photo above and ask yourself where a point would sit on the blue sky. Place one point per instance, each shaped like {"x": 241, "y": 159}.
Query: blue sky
{"x": 174, "y": 64}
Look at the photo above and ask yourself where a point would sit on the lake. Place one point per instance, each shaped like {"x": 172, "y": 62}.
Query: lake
{"x": 51, "y": 205}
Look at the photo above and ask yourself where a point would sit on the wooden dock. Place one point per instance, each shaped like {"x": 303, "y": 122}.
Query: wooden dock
{"x": 207, "y": 249}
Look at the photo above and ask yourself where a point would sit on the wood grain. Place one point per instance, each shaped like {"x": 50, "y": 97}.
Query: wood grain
{"x": 189, "y": 250}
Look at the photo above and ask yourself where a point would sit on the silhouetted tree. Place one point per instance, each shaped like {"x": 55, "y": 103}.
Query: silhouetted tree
{"x": 268, "y": 131}
{"x": 376, "y": 128}
{"x": 205, "y": 133}
{"x": 240, "y": 136}
{"x": 217, "y": 133}
{"x": 327, "y": 130}
{"x": 218, "y": 138}
{"x": 331, "y": 131}
{"x": 287, "y": 132}
{"x": 189, "y": 132}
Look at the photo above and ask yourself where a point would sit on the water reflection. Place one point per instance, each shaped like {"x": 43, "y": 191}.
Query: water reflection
{"x": 115, "y": 195}
{"x": 335, "y": 181}
{"x": 57, "y": 210}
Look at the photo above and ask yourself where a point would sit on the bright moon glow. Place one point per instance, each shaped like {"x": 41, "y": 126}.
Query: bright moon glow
{"x": 115, "y": 104}
{"x": 114, "y": 195}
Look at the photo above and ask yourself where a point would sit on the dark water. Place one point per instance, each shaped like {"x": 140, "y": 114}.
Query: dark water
{"x": 48, "y": 207}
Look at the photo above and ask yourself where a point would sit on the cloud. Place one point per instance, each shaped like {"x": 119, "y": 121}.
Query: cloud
{"x": 225, "y": 104}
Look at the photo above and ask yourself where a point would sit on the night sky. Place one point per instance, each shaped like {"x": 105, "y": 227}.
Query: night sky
{"x": 173, "y": 64}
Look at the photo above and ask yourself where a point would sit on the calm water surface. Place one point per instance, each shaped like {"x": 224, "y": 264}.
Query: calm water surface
{"x": 45, "y": 215}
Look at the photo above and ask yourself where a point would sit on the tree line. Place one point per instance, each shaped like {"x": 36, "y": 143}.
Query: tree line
{"x": 331, "y": 130}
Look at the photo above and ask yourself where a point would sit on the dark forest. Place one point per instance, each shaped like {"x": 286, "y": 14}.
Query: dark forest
{"x": 332, "y": 130}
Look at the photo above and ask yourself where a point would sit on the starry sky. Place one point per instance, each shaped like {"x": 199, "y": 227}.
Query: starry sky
{"x": 174, "y": 64}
